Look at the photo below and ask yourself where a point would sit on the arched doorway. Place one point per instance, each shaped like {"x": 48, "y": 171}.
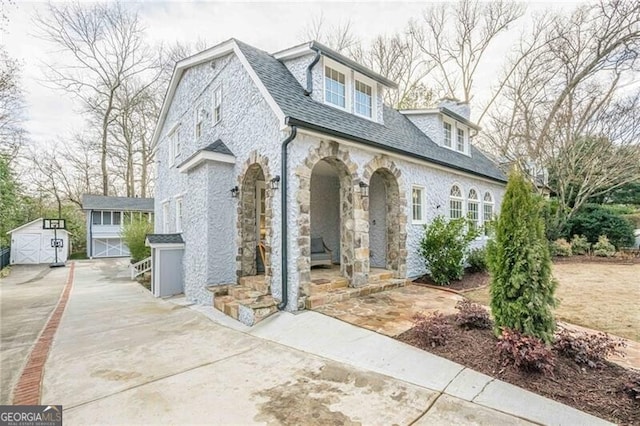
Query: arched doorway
{"x": 387, "y": 217}
{"x": 254, "y": 223}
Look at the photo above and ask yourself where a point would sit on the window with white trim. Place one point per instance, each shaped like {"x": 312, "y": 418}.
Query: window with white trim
{"x": 99, "y": 217}
{"x": 460, "y": 139}
{"x": 178, "y": 214}
{"x": 447, "y": 134}
{"x": 174, "y": 143}
{"x": 455, "y": 202}
{"x": 417, "y": 204}
{"x": 363, "y": 99}
{"x": 487, "y": 206}
{"x": 217, "y": 105}
{"x": 473, "y": 207}
{"x": 165, "y": 217}
{"x": 335, "y": 87}
{"x": 201, "y": 112}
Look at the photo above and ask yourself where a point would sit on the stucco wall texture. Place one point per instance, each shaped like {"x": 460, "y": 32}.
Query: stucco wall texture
{"x": 248, "y": 124}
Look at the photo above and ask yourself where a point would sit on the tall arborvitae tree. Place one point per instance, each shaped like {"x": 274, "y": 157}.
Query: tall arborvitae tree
{"x": 522, "y": 288}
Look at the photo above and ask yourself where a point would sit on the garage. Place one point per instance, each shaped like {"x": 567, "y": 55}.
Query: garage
{"x": 109, "y": 247}
{"x": 32, "y": 244}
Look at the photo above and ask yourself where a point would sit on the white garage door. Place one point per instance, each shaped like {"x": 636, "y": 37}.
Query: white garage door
{"x": 27, "y": 248}
{"x": 109, "y": 247}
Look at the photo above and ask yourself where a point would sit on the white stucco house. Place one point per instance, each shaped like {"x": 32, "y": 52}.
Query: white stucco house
{"x": 105, "y": 218}
{"x": 264, "y": 160}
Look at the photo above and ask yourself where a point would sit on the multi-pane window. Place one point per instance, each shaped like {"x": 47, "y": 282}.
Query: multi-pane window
{"x": 363, "y": 99}
{"x": 460, "y": 140}
{"x": 179, "y": 214}
{"x": 200, "y": 114}
{"x": 488, "y": 211}
{"x": 447, "y": 134}
{"x": 455, "y": 202}
{"x": 473, "y": 208}
{"x": 217, "y": 105}
{"x": 334, "y": 87}
{"x": 105, "y": 218}
{"x": 174, "y": 143}
{"x": 417, "y": 204}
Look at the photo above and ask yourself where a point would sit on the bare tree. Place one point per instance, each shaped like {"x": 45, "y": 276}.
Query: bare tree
{"x": 456, "y": 38}
{"x": 339, "y": 37}
{"x": 563, "y": 106}
{"x": 398, "y": 58}
{"x": 100, "y": 46}
{"x": 12, "y": 132}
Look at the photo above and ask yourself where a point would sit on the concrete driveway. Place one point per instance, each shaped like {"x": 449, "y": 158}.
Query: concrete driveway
{"x": 121, "y": 356}
{"x": 27, "y": 297}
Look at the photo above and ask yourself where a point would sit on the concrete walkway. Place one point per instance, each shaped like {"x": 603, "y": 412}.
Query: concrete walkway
{"x": 27, "y": 297}
{"x": 122, "y": 357}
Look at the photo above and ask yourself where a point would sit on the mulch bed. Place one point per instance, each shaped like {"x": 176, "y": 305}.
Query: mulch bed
{"x": 469, "y": 281}
{"x": 595, "y": 391}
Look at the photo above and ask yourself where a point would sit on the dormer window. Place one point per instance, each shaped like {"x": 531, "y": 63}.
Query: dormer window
{"x": 335, "y": 88}
{"x": 460, "y": 140}
{"x": 364, "y": 99}
{"x": 447, "y": 134}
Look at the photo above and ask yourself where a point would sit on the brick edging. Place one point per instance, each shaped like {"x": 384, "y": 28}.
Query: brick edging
{"x": 27, "y": 389}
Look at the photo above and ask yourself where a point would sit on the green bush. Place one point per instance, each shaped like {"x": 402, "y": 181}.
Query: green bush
{"x": 580, "y": 245}
{"x": 134, "y": 234}
{"x": 603, "y": 248}
{"x": 522, "y": 288}
{"x": 633, "y": 218}
{"x": 477, "y": 260}
{"x": 444, "y": 246}
{"x": 593, "y": 220}
{"x": 561, "y": 247}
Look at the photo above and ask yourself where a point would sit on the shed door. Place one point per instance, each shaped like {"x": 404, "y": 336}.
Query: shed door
{"x": 27, "y": 248}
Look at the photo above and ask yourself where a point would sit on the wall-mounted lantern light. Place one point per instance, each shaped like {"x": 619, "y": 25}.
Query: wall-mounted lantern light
{"x": 275, "y": 182}
{"x": 234, "y": 192}
{"x": 364, "y": 189}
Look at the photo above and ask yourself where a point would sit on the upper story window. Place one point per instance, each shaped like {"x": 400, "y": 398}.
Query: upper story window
{"x": 447, "y": 134}
{"x": 217, "y": 105}
{"x": 473, "y": 208}
{"x": 335, "y": 87}
{"x": 417, "y": 204}
{"x": 201, "y": 112}
{"x": 364, "y": 99}
{"x": 460, "y": 140}
{"x": 175, "y": 143}
{"x": 105, "y": 218}
{"x": 455, "y": 202}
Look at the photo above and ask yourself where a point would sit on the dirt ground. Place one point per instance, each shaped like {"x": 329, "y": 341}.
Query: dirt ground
{"x": 601, "y": 296}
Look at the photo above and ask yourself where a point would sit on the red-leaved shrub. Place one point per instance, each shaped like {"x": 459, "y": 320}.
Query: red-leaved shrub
{"x": 587, "y": 349}
{"x": 433, "y": 328}
{"x": 525, "y": 352}
{"x": 472, "y": 315}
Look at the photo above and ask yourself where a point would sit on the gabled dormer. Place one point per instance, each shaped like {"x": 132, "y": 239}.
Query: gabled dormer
{"x": 448, "y": 124}
{"x": 337, "y": 81}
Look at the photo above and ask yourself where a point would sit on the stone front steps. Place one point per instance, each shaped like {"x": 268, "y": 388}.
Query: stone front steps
{"x": 339, "y": 294}
{"x": 247, "y": 302}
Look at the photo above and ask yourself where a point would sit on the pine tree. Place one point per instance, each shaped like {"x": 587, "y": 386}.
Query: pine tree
{"x": 522, "y": 288}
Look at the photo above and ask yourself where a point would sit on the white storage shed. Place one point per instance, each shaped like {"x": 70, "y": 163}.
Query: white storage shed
{"x": 32, "y": 244}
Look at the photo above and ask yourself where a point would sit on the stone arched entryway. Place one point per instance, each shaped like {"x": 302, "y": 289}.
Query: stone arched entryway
{"x": 254, "y": 218}
{"x": 386, "y": 215}
{"x": 353, "y": 229}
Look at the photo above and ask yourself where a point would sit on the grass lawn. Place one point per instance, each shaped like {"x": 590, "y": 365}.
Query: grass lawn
{"x": 600, "y": 296}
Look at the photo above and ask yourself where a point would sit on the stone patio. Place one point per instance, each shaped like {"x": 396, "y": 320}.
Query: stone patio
{"x": 390, "y": 312}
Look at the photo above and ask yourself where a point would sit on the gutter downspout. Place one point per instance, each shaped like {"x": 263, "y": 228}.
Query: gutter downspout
{"x": 284, "y": 243}
{"x": 313, "y": 63}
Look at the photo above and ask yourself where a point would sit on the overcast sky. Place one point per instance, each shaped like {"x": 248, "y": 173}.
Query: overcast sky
{"x": 269, "y": 26}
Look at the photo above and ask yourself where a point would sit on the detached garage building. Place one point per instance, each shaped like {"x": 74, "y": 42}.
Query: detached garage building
{"x": 105, "y": 218}
{"x": 31, "y": 244}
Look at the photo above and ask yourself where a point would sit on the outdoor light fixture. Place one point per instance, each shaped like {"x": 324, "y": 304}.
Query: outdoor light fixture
{"x": 275, "y": 182}
{"x": 234, "y": 192}
{"x": 364, "y": 189}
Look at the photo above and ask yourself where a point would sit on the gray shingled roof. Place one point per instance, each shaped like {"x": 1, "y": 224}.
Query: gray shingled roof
{"x": 398, "y": 134}
{"x": 165, "y": 239}
{"x": 102, "y": 202}
{"x": 219, "y": 147}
